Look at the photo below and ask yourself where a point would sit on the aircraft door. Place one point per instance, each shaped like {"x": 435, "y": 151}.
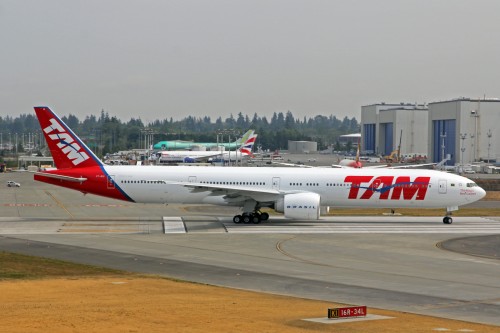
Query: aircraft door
{"x": 192, "y": 179}
{"x": 276, "y": 183}
{"x": 442, "y": 186}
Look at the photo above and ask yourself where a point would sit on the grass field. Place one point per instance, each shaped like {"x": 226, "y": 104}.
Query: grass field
{"x": 415, "y": 212}
{"x": 44, "y": 295}
{"x": 18, "y": 266}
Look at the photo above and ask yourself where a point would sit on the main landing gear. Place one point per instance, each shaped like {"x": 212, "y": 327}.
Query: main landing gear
{"x": 252, "y": 217}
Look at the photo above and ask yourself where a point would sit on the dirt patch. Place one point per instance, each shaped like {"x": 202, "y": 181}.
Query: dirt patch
{"x": 492, "y": 196}
{"x": 139, "y": 304}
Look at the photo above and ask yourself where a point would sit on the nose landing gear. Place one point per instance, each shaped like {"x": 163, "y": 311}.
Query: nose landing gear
{"x": 449, "y": 210}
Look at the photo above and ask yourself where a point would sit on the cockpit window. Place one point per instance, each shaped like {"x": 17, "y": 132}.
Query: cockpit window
{"x": 471, "y": 184}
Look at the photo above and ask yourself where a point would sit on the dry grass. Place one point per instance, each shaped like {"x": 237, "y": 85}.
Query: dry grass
{"x": 415, "y": 212}
{"x": 110, "y": 301}
{"x": 19, "y": 266}
{"x": 492, "y": 196}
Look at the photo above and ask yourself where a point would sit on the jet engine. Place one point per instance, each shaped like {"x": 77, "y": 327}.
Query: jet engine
{"x": 299, "y": 206}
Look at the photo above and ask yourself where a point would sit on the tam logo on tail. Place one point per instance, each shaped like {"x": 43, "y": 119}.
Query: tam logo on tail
{"x": 66, "y": 143}
{"x": 67, "y": 150}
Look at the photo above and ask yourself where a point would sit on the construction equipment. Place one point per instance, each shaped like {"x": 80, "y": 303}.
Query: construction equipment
{"x": 395, "y": 155}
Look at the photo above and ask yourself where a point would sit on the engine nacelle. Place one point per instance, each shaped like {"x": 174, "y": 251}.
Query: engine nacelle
{"x": 299, "y": 206}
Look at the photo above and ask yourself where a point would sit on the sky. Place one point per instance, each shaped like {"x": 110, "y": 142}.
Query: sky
{"x": 156, "y": 59}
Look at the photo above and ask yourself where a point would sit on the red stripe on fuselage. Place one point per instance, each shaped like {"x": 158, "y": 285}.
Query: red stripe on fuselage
{"x": 97, "y": 182}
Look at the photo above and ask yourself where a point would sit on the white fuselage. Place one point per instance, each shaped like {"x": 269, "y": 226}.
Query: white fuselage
{"x": 384, "y": 188}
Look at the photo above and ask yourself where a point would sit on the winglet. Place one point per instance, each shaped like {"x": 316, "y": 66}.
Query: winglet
{"x": 67, "y": 150}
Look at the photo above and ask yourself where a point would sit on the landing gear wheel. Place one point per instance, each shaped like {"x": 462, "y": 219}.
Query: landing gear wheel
{"x": 256, "y": 218}
{"x": 264, "y": 216}
{"x": 246, "y": 219}
{"x": 237, "y": 219}
{"x": 447, "y": 220}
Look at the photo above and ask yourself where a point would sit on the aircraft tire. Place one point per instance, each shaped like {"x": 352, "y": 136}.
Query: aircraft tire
{"x": 246, "y": 219}
{"x": 255, "y": 218}
{"x": 264, "y": 216}
{"x": 237, "y": 219}
{"x": 447, "y": 220}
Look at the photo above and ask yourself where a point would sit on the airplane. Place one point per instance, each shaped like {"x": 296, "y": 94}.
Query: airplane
{"x": 356, "y": 163}
{"x": 180, "y": 144}
{"x": 298, "y": 193}
{"x": 188, "y": 156}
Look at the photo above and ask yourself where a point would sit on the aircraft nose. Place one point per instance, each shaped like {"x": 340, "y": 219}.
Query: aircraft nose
{"x": 480, "y": 192}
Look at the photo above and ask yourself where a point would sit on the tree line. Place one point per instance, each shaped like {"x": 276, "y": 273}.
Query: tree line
{"x": 107, "y": 134}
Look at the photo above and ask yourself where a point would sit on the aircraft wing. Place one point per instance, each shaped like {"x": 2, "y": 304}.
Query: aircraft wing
{"x": 182, "y": 141}
{"x": 294, "y": 165}
{"x": 203, "y": 156}
{"x": 376, "y": 166}
{"x": 411, "y": 166}
{"x": 232, "y": 193}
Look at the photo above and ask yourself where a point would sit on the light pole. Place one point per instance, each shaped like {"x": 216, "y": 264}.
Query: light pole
{"x": 223, "y": 132}
{"x": 443, "y": 137}
{"x": 475, "y": 115}
{"x": 472, "y": 136}
{"x": 462, "y": 149}
{"x": 489, "y": 134}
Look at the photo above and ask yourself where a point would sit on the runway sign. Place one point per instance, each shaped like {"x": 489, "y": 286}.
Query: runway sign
{"x": 352, "y": 311}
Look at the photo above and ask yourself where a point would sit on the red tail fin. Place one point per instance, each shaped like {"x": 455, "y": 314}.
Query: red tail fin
{"x": 358, "y": 163}
{"x": 246, "y": 148}
{"x": 67, "y": 150}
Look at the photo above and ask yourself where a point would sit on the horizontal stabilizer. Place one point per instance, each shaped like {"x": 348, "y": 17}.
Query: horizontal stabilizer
{"x": 56, "y": 176}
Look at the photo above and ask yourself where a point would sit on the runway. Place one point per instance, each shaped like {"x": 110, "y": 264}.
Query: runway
{"x": 277, "y": 225}
{"x": 389, "y": 262}
{"x": 370, "y": 225}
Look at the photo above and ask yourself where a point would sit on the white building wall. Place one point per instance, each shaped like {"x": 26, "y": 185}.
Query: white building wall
{"x": 484, "y": 121}
{"x": 370, "y": 115}
{"x": 300, "y": 147}
{"x": 476, "y": 119}
{"x": 413, "y": 125}
{"x": 410, "y": 118}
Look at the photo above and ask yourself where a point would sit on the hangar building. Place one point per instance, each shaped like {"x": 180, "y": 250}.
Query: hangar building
{"x": 384, "y": 125}
{"x": 302, "y": 147}
{"x": 467, "y": 129}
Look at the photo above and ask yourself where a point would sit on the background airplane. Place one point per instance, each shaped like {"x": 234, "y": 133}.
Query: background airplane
{"x": 297, "y": 193}
{"x": 357, "y": 163}
{"x": 179, "y": 144}
{"x": 188, "y": 156}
